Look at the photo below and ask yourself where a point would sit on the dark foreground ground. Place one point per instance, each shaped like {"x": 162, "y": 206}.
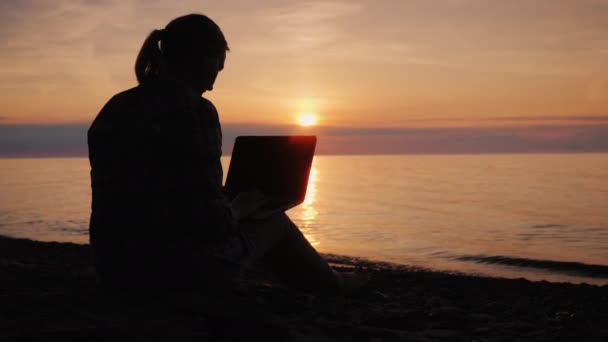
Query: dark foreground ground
{"x": 48, "y": 291}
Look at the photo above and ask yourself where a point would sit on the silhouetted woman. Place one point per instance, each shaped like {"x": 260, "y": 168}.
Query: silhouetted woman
{"x": 159, "y": 217}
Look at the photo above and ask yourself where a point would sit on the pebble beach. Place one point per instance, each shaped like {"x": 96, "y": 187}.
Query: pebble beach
{"x": 50, "y": 291}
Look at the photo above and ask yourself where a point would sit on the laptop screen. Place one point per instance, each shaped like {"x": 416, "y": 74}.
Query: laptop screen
{"x": 278, "y": 166}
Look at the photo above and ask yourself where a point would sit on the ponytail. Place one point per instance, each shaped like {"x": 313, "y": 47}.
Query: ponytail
{"x": 181, "y": 44}
{"x": 149, "y": 59}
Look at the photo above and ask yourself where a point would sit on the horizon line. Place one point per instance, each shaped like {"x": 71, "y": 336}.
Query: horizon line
{"x": 71, "y": 140}
{"x": 84, "y": 156}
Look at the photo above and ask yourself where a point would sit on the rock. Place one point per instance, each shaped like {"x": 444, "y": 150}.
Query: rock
{"x": 522, "y": 326}
{"x": 448, "y": 312}
{"x": 483, "y": 330}
{"x": 481, "y": 317}
{"x": 442, "y": 334}
{"x": 495, "y": 307}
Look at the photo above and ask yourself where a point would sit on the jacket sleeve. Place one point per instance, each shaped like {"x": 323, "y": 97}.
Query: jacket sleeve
{"x": 204, "y": 145}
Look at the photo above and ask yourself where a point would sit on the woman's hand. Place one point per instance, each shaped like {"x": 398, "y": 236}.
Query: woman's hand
{"x": 246, "y": 203}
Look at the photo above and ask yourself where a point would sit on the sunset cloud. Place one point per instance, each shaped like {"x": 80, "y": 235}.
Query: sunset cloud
{"x": 365, "y": 63}
{"x": 70, "y": 140}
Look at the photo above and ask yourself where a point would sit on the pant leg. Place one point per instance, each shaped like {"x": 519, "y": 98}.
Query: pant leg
{"x": 282, "y": 248}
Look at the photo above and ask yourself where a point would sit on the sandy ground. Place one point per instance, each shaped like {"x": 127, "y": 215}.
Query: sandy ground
{"x": 49, "y": 291}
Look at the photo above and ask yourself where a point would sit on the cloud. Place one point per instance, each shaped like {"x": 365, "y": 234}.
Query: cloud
{"x": 71, "y": 56}
{"x": 70, "y": 140}
{"x": 539, "y": 38}
{"x": 532, "y": 139}
{"x": 294, "y": 27}
{"x": 558, "y": 118}
{"x": 43, "y": 140}
{"x": 547, "y": 119}
{"x": 309, "y": 13}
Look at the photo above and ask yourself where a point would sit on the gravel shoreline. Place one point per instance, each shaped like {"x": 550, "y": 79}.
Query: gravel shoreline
{"x": 49, "y": 290}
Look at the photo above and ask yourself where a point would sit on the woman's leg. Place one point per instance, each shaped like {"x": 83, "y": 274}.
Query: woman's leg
{"x": 282, "y": 248}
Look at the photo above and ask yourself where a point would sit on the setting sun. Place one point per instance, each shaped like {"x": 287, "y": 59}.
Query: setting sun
{"x": 307, "y": 119}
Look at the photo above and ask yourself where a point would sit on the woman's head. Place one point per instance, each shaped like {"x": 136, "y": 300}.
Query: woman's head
{"x": 191, "y": 47}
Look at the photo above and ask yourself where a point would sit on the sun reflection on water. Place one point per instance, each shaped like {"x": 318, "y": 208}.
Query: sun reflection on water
{"x": 308, "y": 211}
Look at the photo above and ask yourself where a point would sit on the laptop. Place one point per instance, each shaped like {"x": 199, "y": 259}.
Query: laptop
{"x": 277, "y": 166}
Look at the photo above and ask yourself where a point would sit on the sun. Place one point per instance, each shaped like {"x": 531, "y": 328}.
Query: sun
{"x": 307, "y": 119}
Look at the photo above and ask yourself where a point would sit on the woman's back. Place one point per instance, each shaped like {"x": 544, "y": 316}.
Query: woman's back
{"x": 149, "y": 158}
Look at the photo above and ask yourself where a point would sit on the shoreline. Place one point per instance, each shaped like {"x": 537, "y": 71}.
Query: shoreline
{"x": 49, "y": 289}
{"x": 552, "y": 271}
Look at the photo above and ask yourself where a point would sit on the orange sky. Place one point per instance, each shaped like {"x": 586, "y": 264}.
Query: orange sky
{"x": 451, "y": 63}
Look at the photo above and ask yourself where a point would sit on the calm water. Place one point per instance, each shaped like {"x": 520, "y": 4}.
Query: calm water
{"x": 532, "y": 216}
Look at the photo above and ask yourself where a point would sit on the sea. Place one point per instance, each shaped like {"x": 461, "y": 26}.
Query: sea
{"x": 534, "y": 216}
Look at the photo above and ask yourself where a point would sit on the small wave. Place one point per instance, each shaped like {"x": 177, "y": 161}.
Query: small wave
{"x": 549, "y": 226}
{"x": 567, "y": 267}
{"x": 595, "y": 229}
{"x": 79, "y": 230}
{"x": 33, "y": 222}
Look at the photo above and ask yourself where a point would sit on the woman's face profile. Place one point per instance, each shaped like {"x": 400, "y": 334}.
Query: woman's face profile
{"x": 206, "y": 71}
